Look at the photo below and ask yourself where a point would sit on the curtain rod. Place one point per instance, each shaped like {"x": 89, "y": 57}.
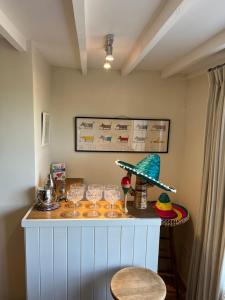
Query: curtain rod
{"x": 222, "y": 65}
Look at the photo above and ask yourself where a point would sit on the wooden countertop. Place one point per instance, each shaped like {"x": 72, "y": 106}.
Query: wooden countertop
{"x": 84, "y": 208}
{"x": 35, "y": 218}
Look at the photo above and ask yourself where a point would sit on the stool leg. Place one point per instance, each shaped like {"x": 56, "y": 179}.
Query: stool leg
{"x": 173, "y": 260}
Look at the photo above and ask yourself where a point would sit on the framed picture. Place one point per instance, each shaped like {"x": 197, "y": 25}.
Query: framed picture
{"x": 45, "y": 129}
{"x": 94, "y": 134}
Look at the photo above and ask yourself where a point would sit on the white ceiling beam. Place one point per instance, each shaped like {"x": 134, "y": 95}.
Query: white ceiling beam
{"x": 9, "y": 31}
{"x": 79, "y": 17}
{"x": 195, "y": 74}
{"x": 211, "y": 46}
{"x": 170, "y": 14}
{"x": 203, "y": 67}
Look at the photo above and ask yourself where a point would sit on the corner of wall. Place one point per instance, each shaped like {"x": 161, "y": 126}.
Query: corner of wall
{"x": 41, "y": 74}
{"x": 192, "y": 162}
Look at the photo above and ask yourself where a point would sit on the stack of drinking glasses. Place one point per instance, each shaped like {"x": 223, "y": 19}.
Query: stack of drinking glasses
{"x": 94, "y": 193}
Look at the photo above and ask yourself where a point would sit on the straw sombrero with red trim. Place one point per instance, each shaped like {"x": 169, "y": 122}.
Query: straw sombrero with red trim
{"x": 171, "y": 214}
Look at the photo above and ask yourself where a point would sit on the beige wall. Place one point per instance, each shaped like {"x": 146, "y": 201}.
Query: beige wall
{"x": 141, "y": 94}
{"x": 41, "y": 96}
{"x": 144, "y": 95}
{"x": 192, "y": 162}
{"x": 17, "y": 166}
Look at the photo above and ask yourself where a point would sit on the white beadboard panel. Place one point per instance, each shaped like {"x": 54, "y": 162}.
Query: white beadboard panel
{"x": 152, "y": 251}
{"x": 77, "y": 262}
{"x": 32, "y": 263}
{"x": 87, "y": 263}
{"x": 46, "y": 263}
{"x": 100, "y": 280}
{"x": 114, "y": 254}
{"x": 140, "y": 246}
{"x": 127, "y": 246}
{"x": 74, "y": 262}
{"x": 60, "y": 263}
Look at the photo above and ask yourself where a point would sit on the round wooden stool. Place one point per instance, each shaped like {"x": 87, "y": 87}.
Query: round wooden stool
{"x": 137, "y": 283}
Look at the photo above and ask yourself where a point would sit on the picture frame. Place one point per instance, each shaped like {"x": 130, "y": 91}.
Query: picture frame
{"x": 45, "y": 128}
{"x": 97, "y": 134}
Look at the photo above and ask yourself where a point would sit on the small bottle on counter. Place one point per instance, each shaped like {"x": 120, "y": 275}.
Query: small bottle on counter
{"x": 62, "y": 191}
{"x": 50, "y": 184}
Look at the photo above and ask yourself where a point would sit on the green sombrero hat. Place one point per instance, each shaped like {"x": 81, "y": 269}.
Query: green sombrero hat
{"x": 149, "y": 169}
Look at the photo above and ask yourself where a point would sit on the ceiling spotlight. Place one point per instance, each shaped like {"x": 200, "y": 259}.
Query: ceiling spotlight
{"x": 109, "y": 57}
{"x": 107, "y": 65}
{"x": 109, "y": 47}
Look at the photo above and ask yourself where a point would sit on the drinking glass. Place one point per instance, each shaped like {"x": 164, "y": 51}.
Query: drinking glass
{"x": 94, "y": 194}
{"x": 112, "y": 194}
{"x": 78, "y": 193}
{"x": 95, "y": 187}
{"x": 77, "y": 189}
{"x": 75, "y": 195}
{"x": 108, "y": 205}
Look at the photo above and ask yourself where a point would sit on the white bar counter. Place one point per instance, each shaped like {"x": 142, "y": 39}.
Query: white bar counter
{"x": 76, "y": 258}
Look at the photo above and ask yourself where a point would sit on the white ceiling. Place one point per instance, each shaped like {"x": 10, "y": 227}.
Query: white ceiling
{"x": 50, "y": 24}
{"x": 200, "y": 23}
{"x": 125, "y": 21}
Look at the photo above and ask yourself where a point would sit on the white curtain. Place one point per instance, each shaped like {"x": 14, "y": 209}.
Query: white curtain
{"x": 222, "y": 281}
{"x": 206, "y": 277}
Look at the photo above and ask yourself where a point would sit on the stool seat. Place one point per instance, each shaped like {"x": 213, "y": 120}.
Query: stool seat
{"x": 137, "y": 283}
